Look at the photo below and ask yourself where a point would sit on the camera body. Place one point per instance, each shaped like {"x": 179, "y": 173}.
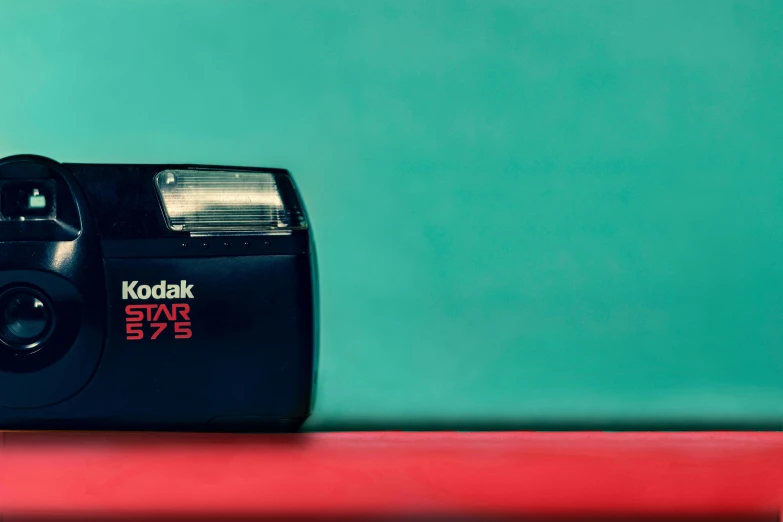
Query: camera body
{"x": 154, "y": 297}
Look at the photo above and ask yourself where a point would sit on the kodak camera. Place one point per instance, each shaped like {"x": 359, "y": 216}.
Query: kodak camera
{"x": 154, "y": 297}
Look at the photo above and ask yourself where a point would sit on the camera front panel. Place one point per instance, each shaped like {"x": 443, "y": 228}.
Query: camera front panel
{"x": 209, "y": 340}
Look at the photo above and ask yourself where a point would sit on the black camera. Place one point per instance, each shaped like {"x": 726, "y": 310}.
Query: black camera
{"x": 154, "y": 297}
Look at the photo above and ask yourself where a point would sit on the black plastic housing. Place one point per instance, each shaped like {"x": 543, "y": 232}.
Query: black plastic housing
{"x": 239, "y": 355}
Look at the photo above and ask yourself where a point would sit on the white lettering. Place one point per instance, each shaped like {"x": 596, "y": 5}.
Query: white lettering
{"x": 162, "y": 290}
{"x": 185, "y": 290}
{"x": 159, "y": 291}
{"x": 127, "y": 290}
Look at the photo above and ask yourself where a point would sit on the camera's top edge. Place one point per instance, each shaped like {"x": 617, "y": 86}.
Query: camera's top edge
{"x": 187, "y": 166}
{"x": 34, "y": 158}
{"x": 31, "y": 158}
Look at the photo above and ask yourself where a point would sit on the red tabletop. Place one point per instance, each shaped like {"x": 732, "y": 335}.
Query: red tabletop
{"x": 53, "y": 475}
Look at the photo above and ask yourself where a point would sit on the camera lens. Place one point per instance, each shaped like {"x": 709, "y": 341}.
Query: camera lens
{"x": 25, "y": 318}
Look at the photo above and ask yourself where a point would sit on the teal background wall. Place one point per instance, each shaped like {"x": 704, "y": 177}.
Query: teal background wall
{"x": 527, "y": 212}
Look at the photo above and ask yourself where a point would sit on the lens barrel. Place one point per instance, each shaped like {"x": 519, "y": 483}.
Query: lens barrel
{"x": 26, "y": 318}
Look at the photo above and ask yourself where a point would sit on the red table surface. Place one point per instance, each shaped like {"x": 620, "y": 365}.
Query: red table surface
{"x": 53, "y": 475}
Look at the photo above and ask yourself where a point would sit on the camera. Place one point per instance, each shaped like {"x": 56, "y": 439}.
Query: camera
{"x": 154, "y": 297}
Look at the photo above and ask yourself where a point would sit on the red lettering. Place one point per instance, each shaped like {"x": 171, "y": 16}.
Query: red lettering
{"x": 134, "y": 331}
{"x": 184, "y": 310}
{"x": 170, "y": 315}
{"x": 160, "y": 327}
{"x": 133, "y": 314}
{"x": 149, "y": 308}
{"x": 182, "y": 330}
{"x": 136, "y": 314}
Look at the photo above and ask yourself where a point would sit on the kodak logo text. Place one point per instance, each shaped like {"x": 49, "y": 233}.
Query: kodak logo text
{"x": 133, "y": 290}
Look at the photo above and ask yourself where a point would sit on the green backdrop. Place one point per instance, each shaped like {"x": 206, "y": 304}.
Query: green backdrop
{"x": 528, "y": 213}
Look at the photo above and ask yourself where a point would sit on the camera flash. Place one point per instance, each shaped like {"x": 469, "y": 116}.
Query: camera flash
{"x": 220, "y": 201}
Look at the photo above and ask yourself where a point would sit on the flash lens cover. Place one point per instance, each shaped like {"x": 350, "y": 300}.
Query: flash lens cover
{"x": 222, "y": 201}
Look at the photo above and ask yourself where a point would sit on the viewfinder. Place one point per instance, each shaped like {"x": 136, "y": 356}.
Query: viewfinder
{"x": 27, "y": 200}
